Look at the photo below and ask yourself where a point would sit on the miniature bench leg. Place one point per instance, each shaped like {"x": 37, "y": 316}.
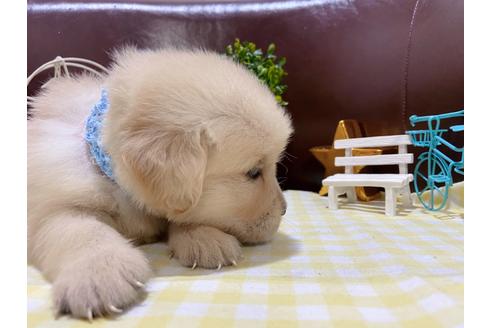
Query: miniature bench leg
{"x": 351, "y": 194}
{"x": 406, "y": 198}
{"x": 332, "y": 198}
{"x": 390, "y": 204}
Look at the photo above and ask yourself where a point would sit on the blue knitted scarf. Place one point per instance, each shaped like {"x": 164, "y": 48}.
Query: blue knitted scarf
{"x": 93, "y": 127}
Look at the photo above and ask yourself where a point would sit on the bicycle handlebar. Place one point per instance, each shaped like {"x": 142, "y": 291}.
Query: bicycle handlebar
{"x": 416, "y": 119}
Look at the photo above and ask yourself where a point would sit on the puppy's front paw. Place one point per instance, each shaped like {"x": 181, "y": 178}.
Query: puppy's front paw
{"x": 103, "y": 283}
{"x": 203, "y": 246}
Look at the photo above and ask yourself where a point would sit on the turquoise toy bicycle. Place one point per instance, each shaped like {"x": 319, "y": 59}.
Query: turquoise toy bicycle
{"x": 439, "y": 166}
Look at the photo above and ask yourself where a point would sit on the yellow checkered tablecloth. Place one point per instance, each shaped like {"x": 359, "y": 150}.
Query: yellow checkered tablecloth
{"x": 345, "y": 268}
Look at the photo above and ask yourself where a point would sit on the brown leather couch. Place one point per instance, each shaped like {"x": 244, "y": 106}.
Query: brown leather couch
{"x": 346, "y": 59}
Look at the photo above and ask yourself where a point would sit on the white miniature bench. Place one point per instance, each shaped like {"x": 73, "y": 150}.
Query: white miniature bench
{"x": 393, "y": 184}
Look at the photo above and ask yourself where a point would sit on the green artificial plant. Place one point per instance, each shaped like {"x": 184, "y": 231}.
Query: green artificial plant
{"x": 268, "y": 67}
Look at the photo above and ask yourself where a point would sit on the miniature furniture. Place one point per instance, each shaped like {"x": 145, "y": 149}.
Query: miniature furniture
{"x": 393, "y": 184}
{"x": 326, "y": 156}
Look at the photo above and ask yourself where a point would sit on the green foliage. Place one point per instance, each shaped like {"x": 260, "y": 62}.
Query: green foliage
{"x": 267, "y": 67}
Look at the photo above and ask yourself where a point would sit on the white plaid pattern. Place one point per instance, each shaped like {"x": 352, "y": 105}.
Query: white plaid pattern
{"x": 324, "y": 269}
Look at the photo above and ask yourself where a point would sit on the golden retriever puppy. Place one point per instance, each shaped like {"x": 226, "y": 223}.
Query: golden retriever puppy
{"x": 189, "y": 142}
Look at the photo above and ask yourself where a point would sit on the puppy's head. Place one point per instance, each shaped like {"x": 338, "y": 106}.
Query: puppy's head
{"x": 196, "y": 138}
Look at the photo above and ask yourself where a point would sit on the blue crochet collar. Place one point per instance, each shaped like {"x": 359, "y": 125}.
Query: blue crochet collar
{"x": 93, "y": 128}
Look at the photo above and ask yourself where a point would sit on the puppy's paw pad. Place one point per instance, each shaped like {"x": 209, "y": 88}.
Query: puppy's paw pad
{"x": 102, "y": 284}
{"x": 204, "y": 247}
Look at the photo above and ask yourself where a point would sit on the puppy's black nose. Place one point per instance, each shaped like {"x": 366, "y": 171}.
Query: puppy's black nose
{"x": 284, "y": 208}
{"x": 283, "y": 203}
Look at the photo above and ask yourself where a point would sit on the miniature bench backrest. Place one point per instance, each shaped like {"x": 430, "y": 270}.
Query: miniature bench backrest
{"x": 402, "y": 159}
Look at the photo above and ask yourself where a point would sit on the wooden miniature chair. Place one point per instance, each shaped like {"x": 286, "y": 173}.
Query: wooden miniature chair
{"x": 393, "y": 184}
{"x": 326, "y": 155}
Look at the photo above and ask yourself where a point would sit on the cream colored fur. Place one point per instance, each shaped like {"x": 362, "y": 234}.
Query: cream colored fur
{"x": 183, "y": 130}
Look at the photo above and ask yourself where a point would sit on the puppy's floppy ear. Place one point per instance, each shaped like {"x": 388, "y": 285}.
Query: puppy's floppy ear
{"x": 166, "y": 169}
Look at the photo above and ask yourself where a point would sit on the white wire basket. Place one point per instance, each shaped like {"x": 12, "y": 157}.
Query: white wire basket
{"x": 61, "y": 65}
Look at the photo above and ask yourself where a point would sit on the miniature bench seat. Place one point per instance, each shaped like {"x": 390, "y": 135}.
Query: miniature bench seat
{"x": 370, "y": 180}
{"x": 394, "y": 184}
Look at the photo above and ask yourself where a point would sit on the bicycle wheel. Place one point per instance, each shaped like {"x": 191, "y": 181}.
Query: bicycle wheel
{"x": 431, "y": 173}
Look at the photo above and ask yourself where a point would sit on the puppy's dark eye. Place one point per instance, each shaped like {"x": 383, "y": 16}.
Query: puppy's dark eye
{"x": 254, "y": 173}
